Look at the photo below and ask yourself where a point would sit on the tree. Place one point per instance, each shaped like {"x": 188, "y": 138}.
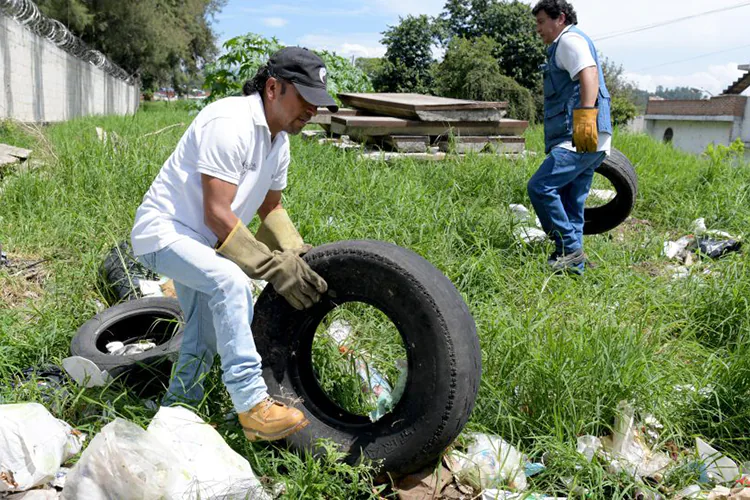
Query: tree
{"x": 369, "y": 65}
{"x": 163, "y": 41}
{"x": 408, "y": 58}
{"x": 470, "y": 71}
{"x": 519, "y": 52}
{"x": 243, "y": 55}
{"x": 623, "y": 110}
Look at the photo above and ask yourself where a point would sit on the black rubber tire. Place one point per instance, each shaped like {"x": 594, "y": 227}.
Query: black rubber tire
{"x": 620, "y": 172}
{"x": 126, "y": 322}
{"x": 443, "y": 354}
{"x": 120, "y": 271}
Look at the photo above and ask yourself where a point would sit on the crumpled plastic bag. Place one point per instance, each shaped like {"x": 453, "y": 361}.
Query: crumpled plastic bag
{"x": 125, "y": 462}
{"x": 490, "y": 462}
{"x": 33, "y": 445}
{"x": 209, "y": 467}
{"x": 179, "y": 457}
{"x": 718, "y": 248}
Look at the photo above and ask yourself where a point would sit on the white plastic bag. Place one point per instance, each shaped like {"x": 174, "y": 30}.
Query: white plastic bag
{"x": 490, "y": 462}
{"x": 209, "y": 467}
{"x": 33, "y": 445}
{"x": 124, "y": 462}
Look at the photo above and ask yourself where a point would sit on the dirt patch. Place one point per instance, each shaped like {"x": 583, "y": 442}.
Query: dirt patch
{"x": 22, "y": 279}
{"x": 630, "y": 227}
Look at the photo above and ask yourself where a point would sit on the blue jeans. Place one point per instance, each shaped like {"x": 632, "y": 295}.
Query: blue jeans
{"x": 558, "y": 192}
{"x": 216, "y": 299}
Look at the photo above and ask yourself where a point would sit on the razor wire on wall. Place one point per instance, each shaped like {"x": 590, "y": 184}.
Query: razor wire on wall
{"x": 27, "y": 13}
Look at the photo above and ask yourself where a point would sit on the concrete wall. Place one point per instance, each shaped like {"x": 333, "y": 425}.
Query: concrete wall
{"x": 42, "y": 83}
{"x": 692, "y": 136}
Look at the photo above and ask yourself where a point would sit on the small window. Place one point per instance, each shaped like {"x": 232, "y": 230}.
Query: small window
{"x": 668, "y": 135}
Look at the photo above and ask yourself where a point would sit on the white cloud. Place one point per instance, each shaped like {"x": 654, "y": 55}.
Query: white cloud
{"x": 715, "y": 79}
{"x": 275, "y": 22}
{"x": 413, "y": 7}
{"x": 355, "y": 44}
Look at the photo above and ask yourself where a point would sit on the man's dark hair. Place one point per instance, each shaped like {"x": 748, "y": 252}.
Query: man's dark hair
{"x": 258, "y": 82}
{"x": 553, "y": 8}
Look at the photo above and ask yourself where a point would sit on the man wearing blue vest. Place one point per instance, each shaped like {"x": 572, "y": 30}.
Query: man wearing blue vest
{"x": 577, "y": 131}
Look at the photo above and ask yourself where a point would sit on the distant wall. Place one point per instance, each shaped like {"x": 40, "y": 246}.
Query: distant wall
{"x": 41, "y": 82}
{"x": 691, "y": 136}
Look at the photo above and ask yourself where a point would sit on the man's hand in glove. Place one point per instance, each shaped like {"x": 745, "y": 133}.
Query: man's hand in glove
{"x": 585, "y": 131}
{"x": 290, "y": 276}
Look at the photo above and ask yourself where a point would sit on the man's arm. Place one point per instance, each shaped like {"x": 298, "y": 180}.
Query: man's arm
{"x": 217, "y": 206}
{"x": 271, "y": 203}
{"x": 589, "y": 79}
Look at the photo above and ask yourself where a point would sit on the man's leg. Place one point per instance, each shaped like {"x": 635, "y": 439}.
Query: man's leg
{"x": 574, "y": 194}
{"x": 197, "y": 351}
{"x": 228, "y": 296}
{"x": 558, "y": 170}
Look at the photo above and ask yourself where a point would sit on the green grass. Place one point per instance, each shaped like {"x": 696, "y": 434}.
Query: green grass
{"x": 558, "y": 352}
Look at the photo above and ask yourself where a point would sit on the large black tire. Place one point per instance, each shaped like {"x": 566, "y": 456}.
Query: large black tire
{"x": 620, "y": 172}
{"x": 438, "y": 332}
{"x": 120, "y": 273}
{"x": 157, "y": 318}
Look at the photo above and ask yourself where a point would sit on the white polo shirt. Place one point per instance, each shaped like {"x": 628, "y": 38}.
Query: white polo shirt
{"x": 229, "y": 140}
{"x": 574, "y": 55}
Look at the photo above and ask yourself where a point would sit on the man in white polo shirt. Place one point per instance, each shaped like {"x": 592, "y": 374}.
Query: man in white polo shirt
{"x": 230, "y": 164}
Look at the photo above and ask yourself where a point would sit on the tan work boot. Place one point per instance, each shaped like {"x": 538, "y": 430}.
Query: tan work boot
{"x": 270, "y": 420}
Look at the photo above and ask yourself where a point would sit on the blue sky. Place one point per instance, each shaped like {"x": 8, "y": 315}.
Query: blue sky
{"x": 668, "y": 55}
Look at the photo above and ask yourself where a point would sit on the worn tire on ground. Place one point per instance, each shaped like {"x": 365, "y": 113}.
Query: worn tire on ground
{"x": 620, "y": 172}
{"x": 157, "y": 318}
{"x": 438, "y": 332}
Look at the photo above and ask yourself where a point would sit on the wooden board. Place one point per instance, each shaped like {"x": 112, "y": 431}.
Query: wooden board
{"x": 408, "y": 143}
{"x": 496, "y": 144}
{"x": 377, "y": 126}
{"x": 324, "y": 115}
{"x": 425, "y": 107}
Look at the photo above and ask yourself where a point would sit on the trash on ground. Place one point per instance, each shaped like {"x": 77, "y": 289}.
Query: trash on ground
{"x": 627, "y": 450}
{"x": 425, "y": 484}
{"x": 678, "y": 250}
{"x": 179, "y": 456}
{"x": 387, "y": 400}
{"x": 718, "y": 248}
{"x": 699, "y": 228}
{"x": 490, "y": 462}
{"x": 33, "y": 445}
{"x": 724, "y": 493}
{"x": 532, "y": 468}
{"x": 719, "y": 468}
{"x": 605, "y": 195}
{"x": 84, "y": 372}
{"x": 35, "y": 494}
{"x": 117, "y": 348}
{"x": 496, "y": 494}
{"x": 692, "y": 491}
{"x": 588, "y": 446}
{"x": 530, "y": 234}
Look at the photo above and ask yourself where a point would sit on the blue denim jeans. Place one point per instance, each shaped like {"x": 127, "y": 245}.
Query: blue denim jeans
{"x": 558, "y": 192}
{"x": 216, "y": 299}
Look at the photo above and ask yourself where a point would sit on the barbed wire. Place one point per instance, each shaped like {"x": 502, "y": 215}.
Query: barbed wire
{"x": 27, "y": 13}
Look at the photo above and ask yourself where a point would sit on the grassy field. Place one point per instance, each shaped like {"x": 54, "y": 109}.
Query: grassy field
{"x": 558, "y": 352}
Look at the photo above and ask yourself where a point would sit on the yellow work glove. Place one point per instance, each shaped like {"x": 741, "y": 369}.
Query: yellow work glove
{"x": 585, "y": 131}
{"x": 289, "y": 275}
{"x": 277, "y": 231}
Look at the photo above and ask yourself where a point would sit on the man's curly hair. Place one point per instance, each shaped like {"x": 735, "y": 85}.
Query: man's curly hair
{"x": 553, "y": 8}
{"x": 258, "y": 82}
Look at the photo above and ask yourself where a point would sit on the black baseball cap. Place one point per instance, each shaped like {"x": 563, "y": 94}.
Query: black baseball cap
{"x": 307, "y": 71}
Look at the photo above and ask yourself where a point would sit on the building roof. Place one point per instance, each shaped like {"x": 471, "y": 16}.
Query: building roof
{"x": 742, "y": 82}
{"x": 728, "y": 106}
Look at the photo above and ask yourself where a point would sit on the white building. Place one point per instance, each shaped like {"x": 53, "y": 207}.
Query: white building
{"x": 691, "y": 125}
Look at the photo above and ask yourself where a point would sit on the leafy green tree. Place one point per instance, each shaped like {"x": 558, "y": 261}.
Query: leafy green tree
{"x": 408, "y": 58}
{"x": 470, "y": 71}
{"x": 243, "y": 55}
{"x": 369, "y": 65}
{"x": 623, "y": 110}
{"x": 164, "y": 42}
{"x": 519, "y": 50}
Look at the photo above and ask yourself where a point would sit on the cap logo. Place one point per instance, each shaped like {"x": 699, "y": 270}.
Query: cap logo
{"x": 323, "y": 75}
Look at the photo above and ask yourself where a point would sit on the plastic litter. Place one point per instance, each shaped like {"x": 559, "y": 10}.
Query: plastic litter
{"x": 118, "y": 348}
{"x": 692, "y": 491}
{"x": 719, "y": 468}
{"x": 677, "y": 250}
{"x": 33, "y": 445}
{"x": 85, "y": 372}
{"x": 718, "y": 248}
{"x": 627, "y": 450}
{"x": 36, "y": 494}
{"x": 604, "y": 195}
{"x": 490, "y": 462}
{"x": 209, "y": 467}
{"x": 523, "y": 220}
{"x": 588, "y": 446}
{"x": 496, "y": 494}
{"x": 532, "y": 469}
{"x": 388, "y": 399}
{"x": 530, "y": 234}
